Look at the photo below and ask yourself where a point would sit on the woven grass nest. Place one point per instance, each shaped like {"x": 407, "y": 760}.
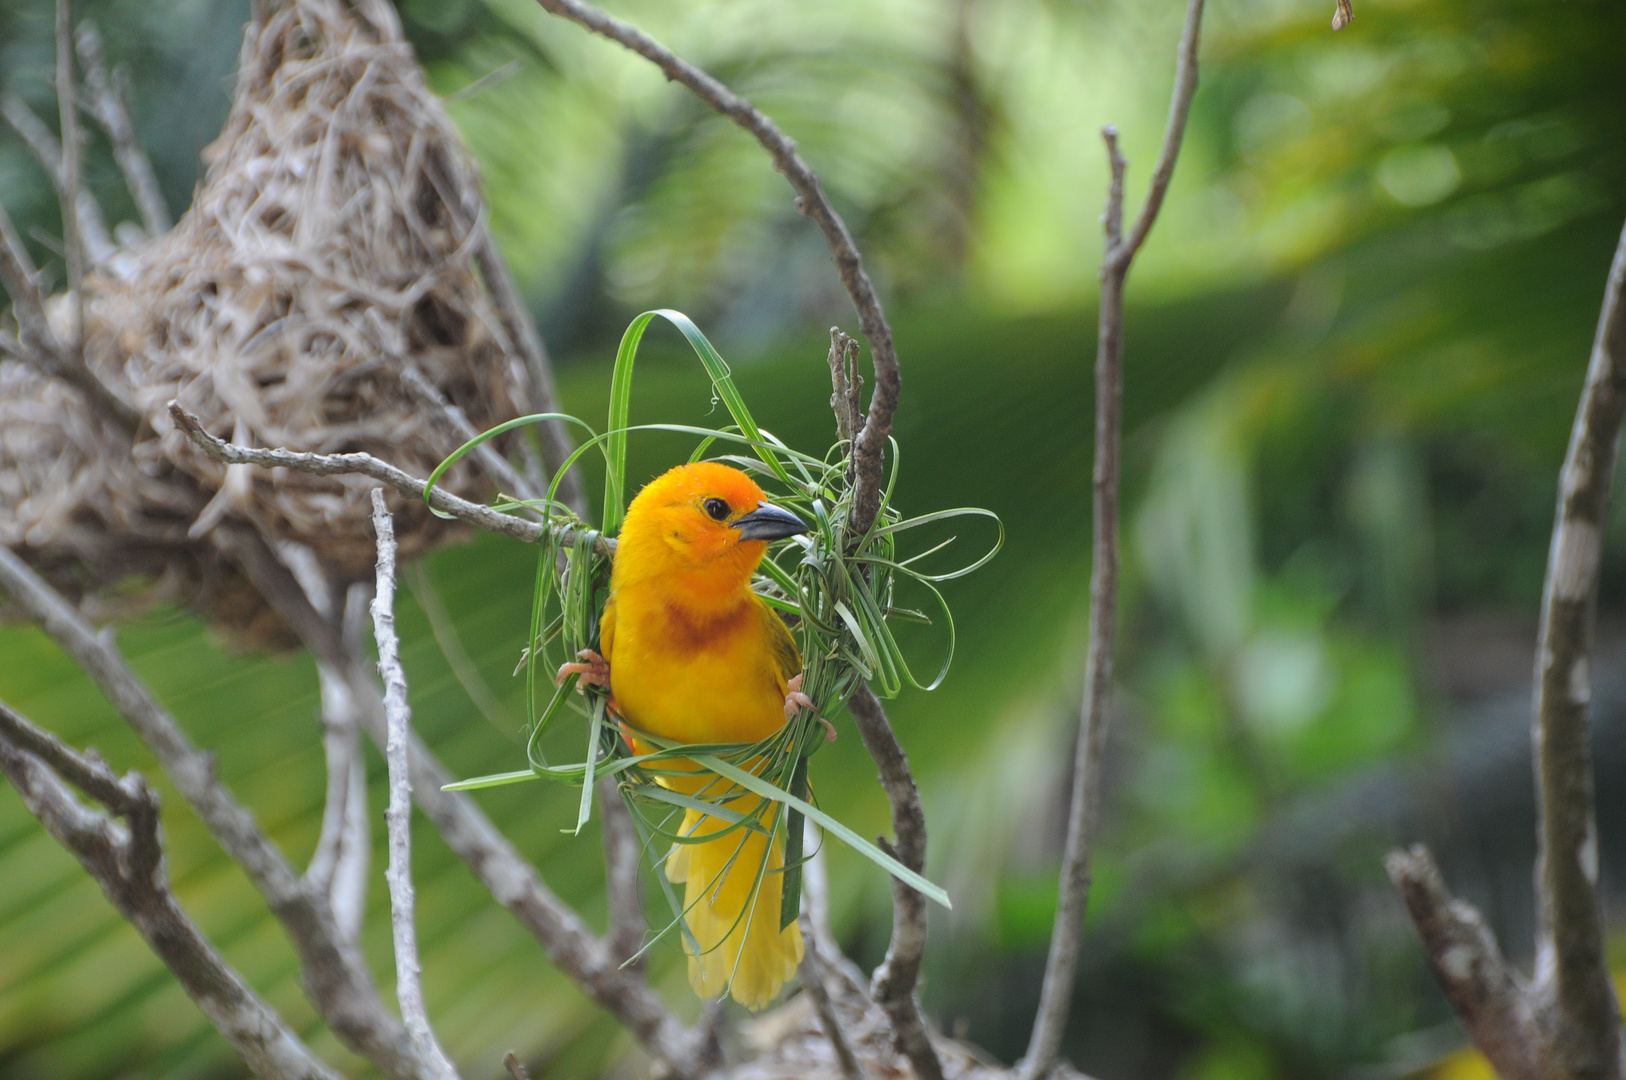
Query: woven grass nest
{"x": 329, "y": 247}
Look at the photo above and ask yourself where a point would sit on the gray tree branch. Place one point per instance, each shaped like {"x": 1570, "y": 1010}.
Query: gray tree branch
{"x": 128, "y": 864}
{"x": 107, "y": 105}
{"x": 38, "y": 344}
{"x": 1567, "y": 1022}
{"x": 625, "y": 934}
{"x": 398, "y": 818}
{"x": 893, "y": 984}
{"x": 360, "y": 464}
{"x": 1587, "y": 1034}
{"x": 1494, "y": 1003}
{"x": 98, "y": 241}
{"x": 1083, "y": 813}
{"x": 335, "y": 974}
{"x": 69, "y": 181}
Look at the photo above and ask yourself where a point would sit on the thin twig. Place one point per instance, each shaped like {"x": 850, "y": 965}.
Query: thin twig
{"x": 67, "y": 109}
{"x": 1061, "y": 966}
{"x": 335, "y": 975}
{"x": 625, "y": 934}
{"x": 869, "y": 446}
{"x": 457, "y": 657}
{"x": 893, "y": 984}
{"x": 129, "y": 866}
{"x": 510, "y": 1062}
{"x": 498, "y": 470}
{"x": 110, "y": 110}
{"x": 38, "y": 343}
{"x": 398, "y": 818}
{"x": 99, "y": 245}
{"x": 361, "y": 464}
{"x": 1493, "y": 1001}
{"x": 338, "y": 869}
{"x": 1567, "y": 1023}
{"x": 895, "y": 979}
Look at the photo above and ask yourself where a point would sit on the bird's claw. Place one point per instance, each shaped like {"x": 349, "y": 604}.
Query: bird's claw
{"x": 796, "y": 701}
{"x": 593, "y": 670}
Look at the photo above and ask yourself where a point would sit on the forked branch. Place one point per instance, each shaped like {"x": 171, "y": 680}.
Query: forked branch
{"x": 1084, "y": 807}
{"x": 128, "y": 864}
{"x": 335, "y": 974}
{"x": 1568, "y": 1022}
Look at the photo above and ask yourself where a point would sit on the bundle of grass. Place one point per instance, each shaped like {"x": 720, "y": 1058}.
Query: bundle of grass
{"x": 840, "y": 591}
{"x": 110, "y": 535}
{"x": 328, "y": 253}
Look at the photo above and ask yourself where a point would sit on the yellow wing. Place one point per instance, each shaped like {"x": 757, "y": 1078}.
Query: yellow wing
{"x": 781, "y": 645}
{"x": 606, "y": 631}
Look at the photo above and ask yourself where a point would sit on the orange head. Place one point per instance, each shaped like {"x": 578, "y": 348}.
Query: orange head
{"x": 704, "y": 527}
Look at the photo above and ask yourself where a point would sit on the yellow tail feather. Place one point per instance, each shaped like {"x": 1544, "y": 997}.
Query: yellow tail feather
{"x": 742, "y": 949}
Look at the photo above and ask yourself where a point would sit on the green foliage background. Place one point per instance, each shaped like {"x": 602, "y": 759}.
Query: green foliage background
{"x": 1354, "y": 345}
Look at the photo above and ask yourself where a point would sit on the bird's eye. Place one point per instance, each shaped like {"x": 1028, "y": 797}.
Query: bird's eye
{"x": 717, "y": 508}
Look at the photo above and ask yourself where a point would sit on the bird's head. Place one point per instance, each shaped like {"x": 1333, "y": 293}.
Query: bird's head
{"x": 702, "y": 520}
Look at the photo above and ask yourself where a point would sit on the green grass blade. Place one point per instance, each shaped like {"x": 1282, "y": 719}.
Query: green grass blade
{"x": 874, "y": 854}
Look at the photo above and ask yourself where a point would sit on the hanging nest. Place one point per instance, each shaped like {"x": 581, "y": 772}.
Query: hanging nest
{"x": 328, "y": 249}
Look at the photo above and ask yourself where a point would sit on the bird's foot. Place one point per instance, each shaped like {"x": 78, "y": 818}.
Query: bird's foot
{"x": 796, "y": 701}
{"x": 593, "y": 670}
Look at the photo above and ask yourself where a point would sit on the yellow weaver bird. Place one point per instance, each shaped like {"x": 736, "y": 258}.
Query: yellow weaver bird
{"x": 692, "y": 655}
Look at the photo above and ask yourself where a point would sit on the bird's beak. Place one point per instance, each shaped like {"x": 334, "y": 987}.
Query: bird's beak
{"x": 769, "y": 522}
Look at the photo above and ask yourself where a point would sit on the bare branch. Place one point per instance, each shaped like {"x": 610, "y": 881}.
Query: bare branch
{"x": 498, "y": 470}
{"x": 343, "y": 848}
{"x": 513, "y": 882}
{"x": 1083, "y": 813}
{"x": 129, "y": 866}
{"x": 108, "y": 106}
{"x": 893, "y": 984}
{"x": 38, "y": 344}
{"x": 846, "y": 385}
{"x": 1174, "y": 133}
{"x": 510, "y": 1062}
{"x": 366, "y": 465}
{"x": 625, "y": 935}
{"x": 86, "y": 771}
{"x": 523, "y": 338}
{"x": 869, "y": 446}
{"x": 336, "y": 978}
{"x": 1587, "y": 1029}
{"x": 1493, "y": 1002}
{"x": 92, "y": 225}
{"x": 69, "y": 180}
{"x": 398, "y": 818}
